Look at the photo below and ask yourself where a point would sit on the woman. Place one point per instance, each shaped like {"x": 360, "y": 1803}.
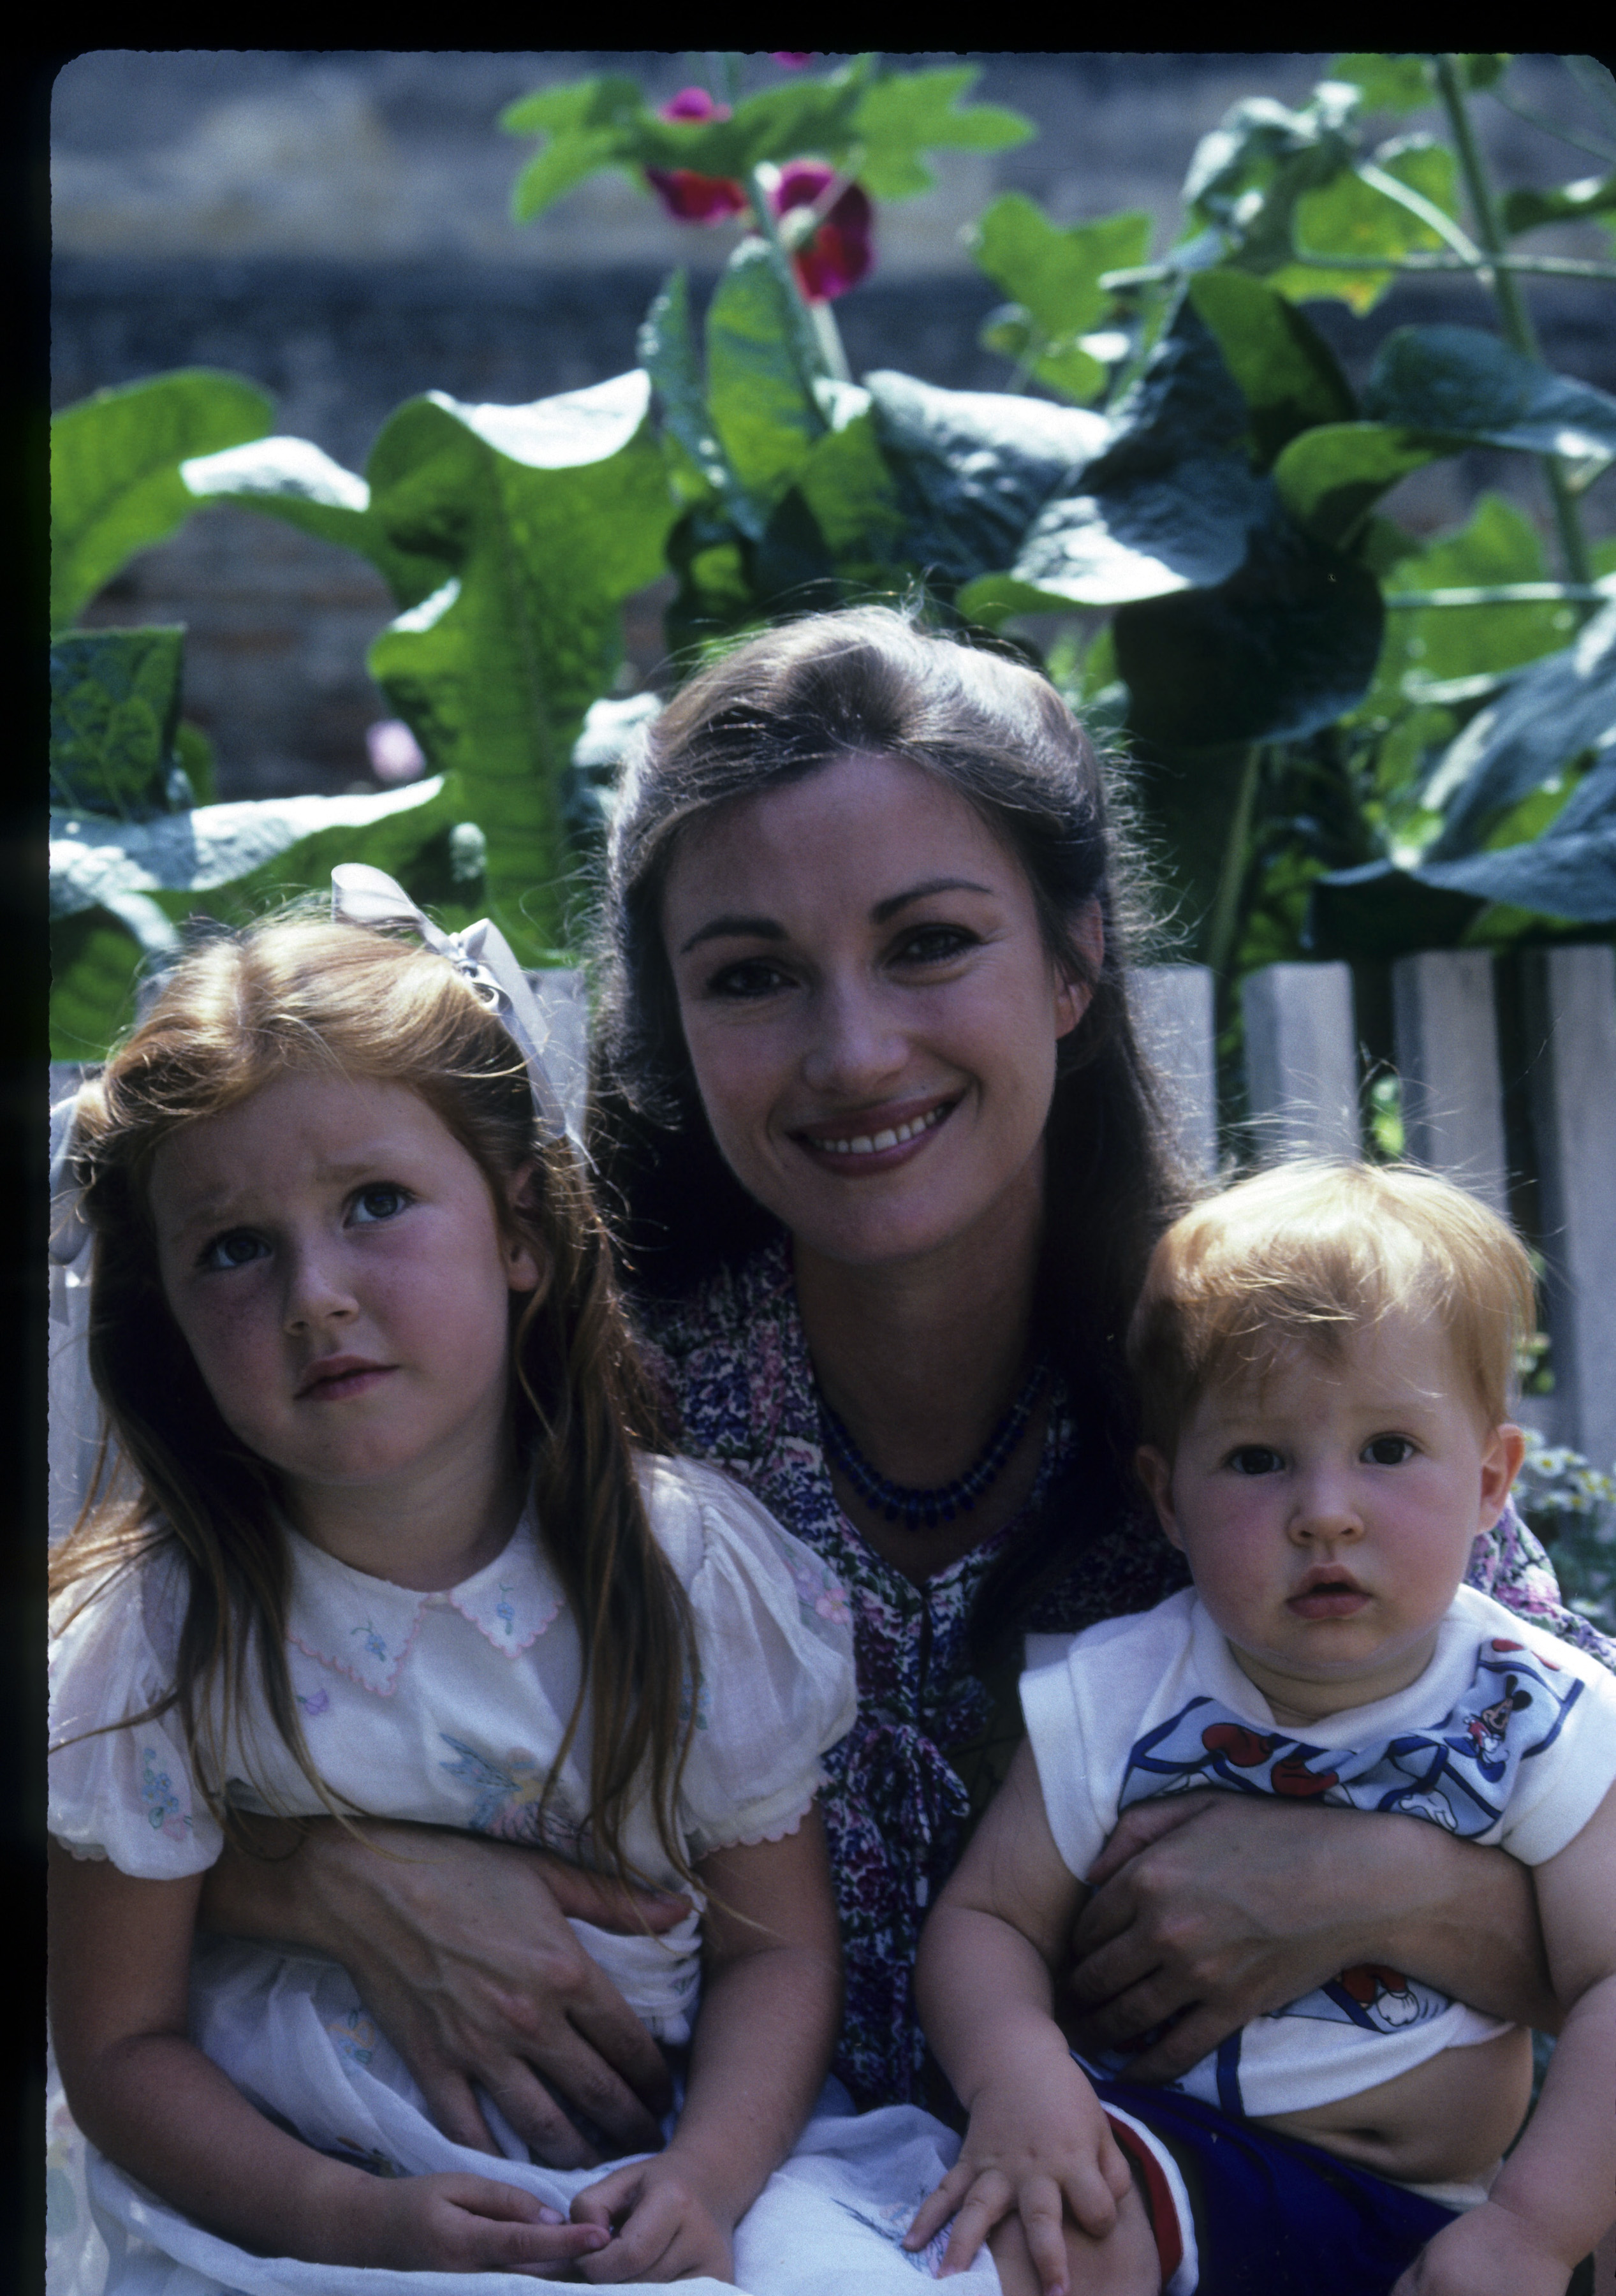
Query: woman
{"x": 888, "y": 1164}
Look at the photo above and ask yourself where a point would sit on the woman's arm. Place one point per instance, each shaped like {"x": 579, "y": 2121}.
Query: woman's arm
{"x": 1214, "y": 1908}
{"x": 771, "y": 2004}
{"x": 459, "y": 1949}
{"x": 119, "y": 1969}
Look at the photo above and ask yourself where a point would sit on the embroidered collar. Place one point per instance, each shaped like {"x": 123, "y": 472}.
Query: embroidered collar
{"x": 363, "y": 1628}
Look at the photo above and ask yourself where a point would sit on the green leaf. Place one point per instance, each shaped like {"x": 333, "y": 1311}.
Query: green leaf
{"x": 903, "y": 114}
{"x": 1527, "y": 208}
{"x": 1498, "y": 544}
{"x": 1053, "y": 274}
{"x": 765, "y": 416}
{"x": 1246, "y": 177}
{"x": 1349, "y": 216}
{"x": 1482, "y": 71}
{"x": 1474, "y": 388}
{"x": 115, "y": 698}
{"x": 593, "y": 124}
{"x": 1330, "y": 478}
{"x": 294, "y": 480}
{"x": 1287, "y": 644}
{"x": 1287, "y": 374}
{"x": 974, "y": 468}
{"x": 1394, "y": 82}
{"x": 115, "y": 483}
{"x": 847, "y": 487}
{"x": 667, "y": 346}
{"x": 554, "y": 514}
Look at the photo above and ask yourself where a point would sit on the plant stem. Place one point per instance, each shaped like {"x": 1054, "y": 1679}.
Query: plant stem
{"x": 1231, "y": 878}
{"x": 1512, "y": 313}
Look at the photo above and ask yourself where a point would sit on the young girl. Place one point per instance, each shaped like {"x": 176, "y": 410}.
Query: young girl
{"x": 382, "y": 1543}
{"x": 1324, "y": 1356}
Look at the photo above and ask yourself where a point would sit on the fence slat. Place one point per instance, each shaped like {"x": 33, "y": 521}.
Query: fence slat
{"x": 1301, "y": 1059}
{"x": 1445, "y": 1031}
{"x": 1571, "y": 1012}
{"x": 1172, "y": 1010}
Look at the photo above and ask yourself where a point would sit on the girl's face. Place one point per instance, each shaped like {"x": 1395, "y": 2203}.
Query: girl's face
{"x": 337, "y": 1266}
{"x": 871, "y": 1011}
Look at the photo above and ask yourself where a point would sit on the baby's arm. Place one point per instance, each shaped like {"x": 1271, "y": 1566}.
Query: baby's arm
{"x": 120, "y": 1971}
{"x": 771, "y": 2003}
{"x": 1556, "y": 2193}
{"x": 1037, "y": 2140}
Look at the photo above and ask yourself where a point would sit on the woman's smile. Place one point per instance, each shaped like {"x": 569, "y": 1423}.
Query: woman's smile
{"x": 867, "y": 997}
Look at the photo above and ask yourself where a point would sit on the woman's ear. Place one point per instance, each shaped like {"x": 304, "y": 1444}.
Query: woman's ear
{"x": 1073, "y": 997}
{"x": 1155, "y": 1469}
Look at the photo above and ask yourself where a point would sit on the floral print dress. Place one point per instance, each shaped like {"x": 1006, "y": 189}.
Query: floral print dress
{"x": 933, "y": 1737}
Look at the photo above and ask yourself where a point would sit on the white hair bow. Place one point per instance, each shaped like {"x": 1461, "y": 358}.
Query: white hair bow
{"x": 483, "y": 958}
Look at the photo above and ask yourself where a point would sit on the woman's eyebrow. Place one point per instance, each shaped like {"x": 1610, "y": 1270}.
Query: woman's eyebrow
{"x": 883, "y": 910}
{"x": 734, "y": 929}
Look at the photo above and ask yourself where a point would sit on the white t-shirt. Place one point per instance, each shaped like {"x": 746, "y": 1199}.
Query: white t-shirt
{"x": 449, "y": 1708}
{"x": 1507, "y": 1738}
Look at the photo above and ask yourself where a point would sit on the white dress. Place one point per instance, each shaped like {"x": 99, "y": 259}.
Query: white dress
{"x": 448, "y": 1710}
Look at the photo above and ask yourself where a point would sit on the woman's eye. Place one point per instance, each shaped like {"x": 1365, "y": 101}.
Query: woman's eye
{"x": 382, "y": 1202}
{"x": 1255, "y": 1459}
{"x": 1388, "y": 1450}
{"x": 934, "y": 945}
{"x": 753, "y": 977}
{"x": 237, "y": 1248}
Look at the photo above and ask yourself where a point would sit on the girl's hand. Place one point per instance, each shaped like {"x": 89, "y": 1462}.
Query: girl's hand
{"x": 461, "y": 1951}
{"x": 1212, "y": 1909}
{"x": 662, "y": 2224}
{"x": 456, "y": 2223}
{"x": 1039, "y": 2143}
{"x": 1487, "y": 2251}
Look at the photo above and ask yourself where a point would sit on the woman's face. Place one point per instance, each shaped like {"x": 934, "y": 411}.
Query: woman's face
{"x": 870, "y": 1008}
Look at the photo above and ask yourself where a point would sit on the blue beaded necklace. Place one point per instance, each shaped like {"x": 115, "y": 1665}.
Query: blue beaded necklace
{"x": 924, "y": 1509}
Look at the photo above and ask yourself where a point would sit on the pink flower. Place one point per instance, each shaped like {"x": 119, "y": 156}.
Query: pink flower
{"x": 688, "y": 197}
{"x": 792, "y": 58}
{"x": 838, "y": 254}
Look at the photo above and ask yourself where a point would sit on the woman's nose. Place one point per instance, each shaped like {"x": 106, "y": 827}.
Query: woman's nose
{"x": 854, "y": 1044}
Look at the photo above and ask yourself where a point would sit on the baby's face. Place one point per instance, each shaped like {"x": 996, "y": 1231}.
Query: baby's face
{"x": 1327, "y": 1508}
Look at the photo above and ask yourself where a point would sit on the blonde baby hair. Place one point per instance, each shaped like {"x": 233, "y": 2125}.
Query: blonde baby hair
{"x": 1316, "y": 1252}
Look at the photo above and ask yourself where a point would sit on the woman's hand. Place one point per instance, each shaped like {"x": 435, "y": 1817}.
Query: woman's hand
{"x": 461, "y": 1951}
{"x": 1212, "y": 1908}
{"x": 667, "y": 2226}
{"x": 456, "y": 2223}
{"x": 1487, "y": 2251}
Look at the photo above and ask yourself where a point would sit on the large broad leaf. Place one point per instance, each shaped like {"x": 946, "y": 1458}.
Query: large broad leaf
{"x": 974, "y": 468}
{"x": 115, "y": 482}
{"x": 1387, "y": 83}
{"x": 1052, "y": 272}
{"x": 1288, "y": 375}
{"x": 762, "y": 405}
{"x": 1470, "y": 388}
{"x": 1352, "y": 216}
{"x": 120, "y": 889}
{"x": 667, "y": 346}
{"x": 293, "y": 480}
{"x": 903, "y": 114}
{"x": 1330, "y": 479}
{"x": 1287, "y": 644}
{"x": 554, "y": 514}
{"x": 115, "y": 698}
{"x": 1171, "y": 502}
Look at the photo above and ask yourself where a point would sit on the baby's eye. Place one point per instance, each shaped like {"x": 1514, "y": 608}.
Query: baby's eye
{"x": 1255, "y": 1459}
{"x": 236, "y": 1248}
{"x": 1388, "y": 1450}
{"x": 383, "y": 1202}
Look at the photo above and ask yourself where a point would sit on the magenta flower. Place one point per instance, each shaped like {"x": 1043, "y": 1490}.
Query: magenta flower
{"x": 687, "y": 196}
{"x": 792, "y": 58}
{"x": 836, "y": 255}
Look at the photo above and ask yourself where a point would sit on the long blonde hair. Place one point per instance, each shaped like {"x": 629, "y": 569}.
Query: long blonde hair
{"x": 298, "y": 994}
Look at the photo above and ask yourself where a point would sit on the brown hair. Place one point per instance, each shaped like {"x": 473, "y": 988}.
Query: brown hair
{"x": 774, "y": 710}
{"x": 1317, "y": 1252}
{"x": 294, "y": 995}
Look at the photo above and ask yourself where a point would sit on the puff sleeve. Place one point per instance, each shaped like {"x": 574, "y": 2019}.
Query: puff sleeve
{"x": 126, "y": 1793}
{"x": 775, "y": 1635}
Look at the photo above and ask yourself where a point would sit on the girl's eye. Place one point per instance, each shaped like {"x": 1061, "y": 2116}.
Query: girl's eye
{"x": 384, "y": 1202}
{"x": 237, "y": 1248}
{"x": 1255, "y": 1459}
{"x": 1388, "y": 1450}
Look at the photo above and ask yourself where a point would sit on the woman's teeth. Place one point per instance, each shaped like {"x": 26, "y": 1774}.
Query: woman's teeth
{"x": 871, "y": 1143}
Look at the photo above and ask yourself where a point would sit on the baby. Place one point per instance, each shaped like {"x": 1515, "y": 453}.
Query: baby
{"x": 1323, "y": 1356}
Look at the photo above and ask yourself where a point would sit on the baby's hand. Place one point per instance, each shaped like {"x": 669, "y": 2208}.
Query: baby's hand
{"x": 1039, "y": 2143}
{"x": 659, "y": 2221}
{"x": 457, "y": 2223}
{"x": 1487, "y": 2251}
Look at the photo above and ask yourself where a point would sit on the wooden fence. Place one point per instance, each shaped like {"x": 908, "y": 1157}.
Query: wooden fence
{"x": 1306, "y": 1070}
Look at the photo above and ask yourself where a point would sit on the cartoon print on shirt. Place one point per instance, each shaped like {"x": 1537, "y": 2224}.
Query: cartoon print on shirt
{"x": 510, "y": 1797}
{"x": 1487, "y": 1729}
